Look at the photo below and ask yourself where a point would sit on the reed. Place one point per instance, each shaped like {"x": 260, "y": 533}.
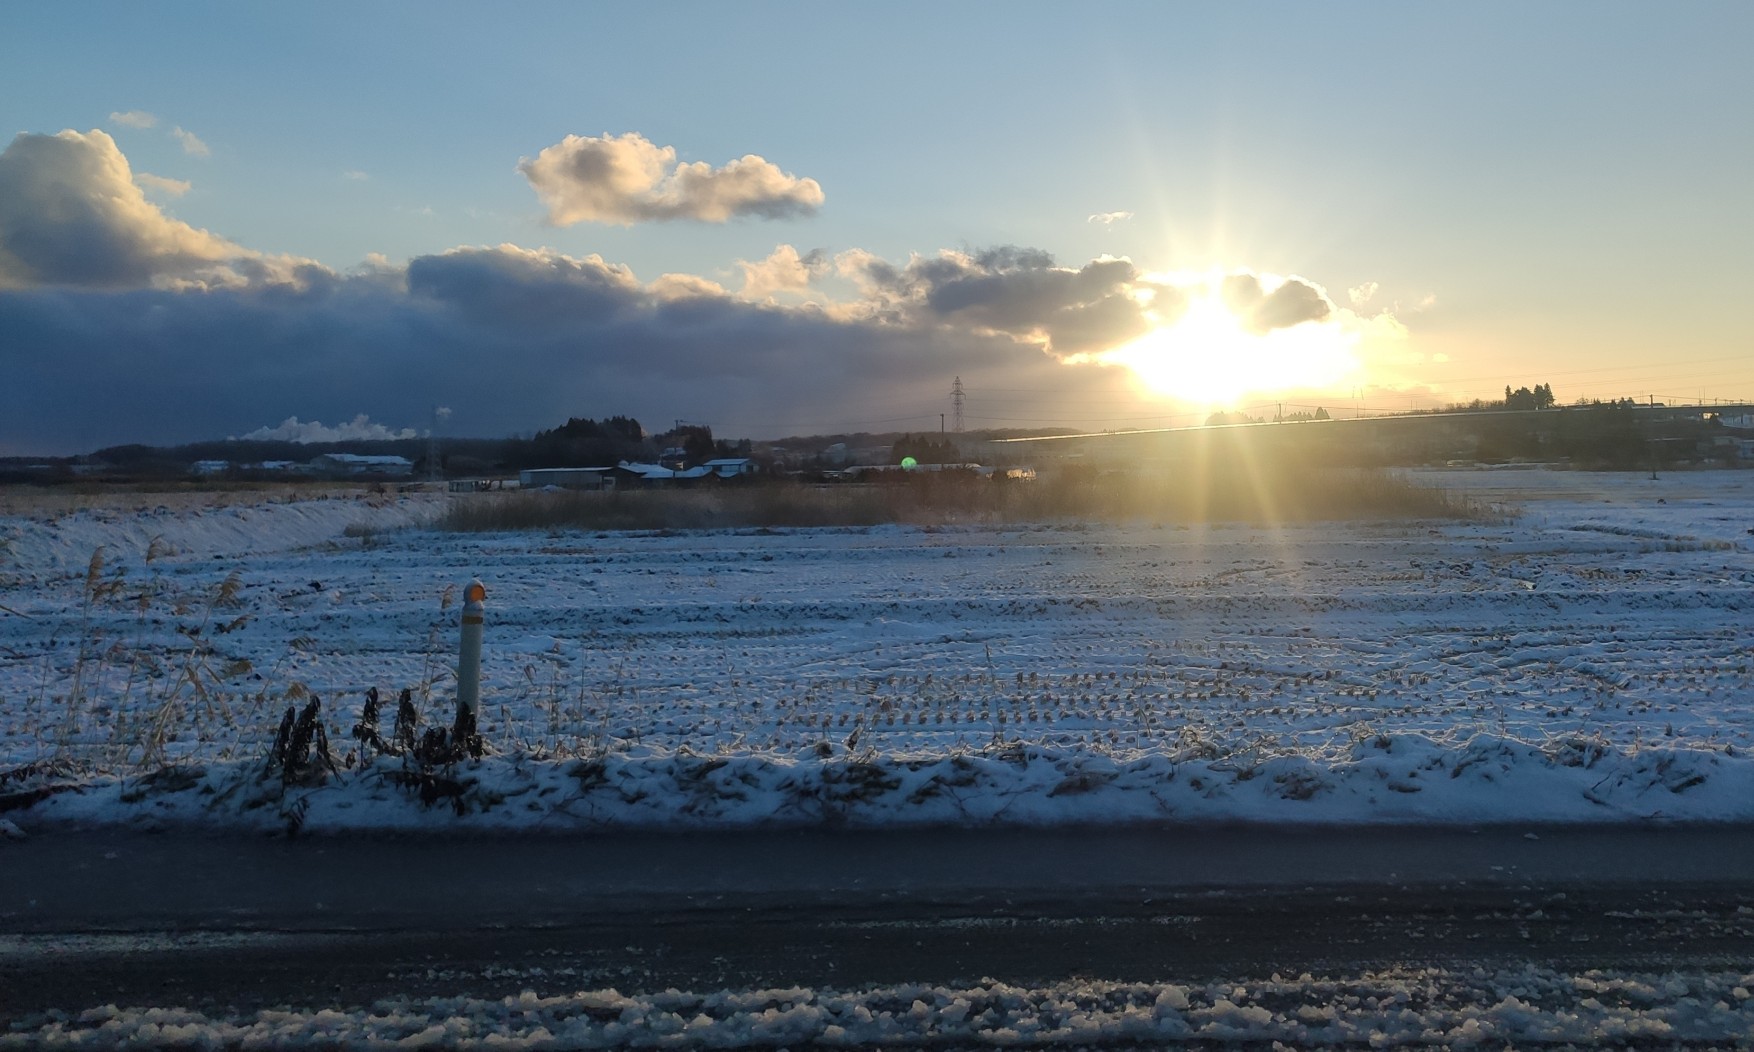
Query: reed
{"x": 1264, "y": 496}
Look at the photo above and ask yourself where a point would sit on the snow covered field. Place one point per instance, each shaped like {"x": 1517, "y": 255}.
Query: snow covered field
{"x": 1585, "y": 660}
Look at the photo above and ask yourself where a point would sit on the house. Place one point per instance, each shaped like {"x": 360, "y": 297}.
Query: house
{"x": 209, "y": 467}
{"x": 731, "y": 467}
{"x": 354, "y": 465}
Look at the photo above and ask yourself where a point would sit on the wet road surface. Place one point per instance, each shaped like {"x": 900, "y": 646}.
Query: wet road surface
{"x": 103, "y": 917}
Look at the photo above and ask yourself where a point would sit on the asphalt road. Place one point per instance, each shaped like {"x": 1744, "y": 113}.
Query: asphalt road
{"x": 227, "y": 923}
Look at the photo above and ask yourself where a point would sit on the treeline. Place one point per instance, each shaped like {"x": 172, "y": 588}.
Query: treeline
{"x": 1523, "y": 398}
{"x": 580, "y": 442}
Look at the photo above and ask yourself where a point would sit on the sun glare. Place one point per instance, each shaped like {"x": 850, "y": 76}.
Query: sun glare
{"x": 1207, "y": 356}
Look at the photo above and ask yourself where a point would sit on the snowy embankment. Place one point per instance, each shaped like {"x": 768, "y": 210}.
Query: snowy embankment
{"x": 1388, "y": 1009}
{"x": 1386, "y": 779}
{"x": 1590, "y": 660}
{"x": 184, "y": 526}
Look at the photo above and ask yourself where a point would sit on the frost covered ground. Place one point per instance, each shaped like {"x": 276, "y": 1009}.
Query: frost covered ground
{"x": 1587, "y": 659}
{"x": 1523, "y": 1007}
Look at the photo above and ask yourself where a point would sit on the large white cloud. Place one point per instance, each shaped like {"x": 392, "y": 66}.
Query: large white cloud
{"x": 783, "y": 271}
{"x": 72, "y": 213}
{"x": 627, "y": 179}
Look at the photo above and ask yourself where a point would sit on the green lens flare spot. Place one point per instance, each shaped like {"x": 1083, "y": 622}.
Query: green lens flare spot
{"x": 909, "y": 462}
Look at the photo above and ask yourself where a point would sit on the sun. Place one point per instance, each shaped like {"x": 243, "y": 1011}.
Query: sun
{"x": 1207, "y": 356}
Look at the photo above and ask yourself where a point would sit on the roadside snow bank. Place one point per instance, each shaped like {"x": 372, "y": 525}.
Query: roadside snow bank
{"x": 1394, "y": 1008}
{"x": 1403, "y": 778}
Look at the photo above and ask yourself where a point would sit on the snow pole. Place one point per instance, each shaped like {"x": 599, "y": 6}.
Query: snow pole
{"x": 469, "y": 664}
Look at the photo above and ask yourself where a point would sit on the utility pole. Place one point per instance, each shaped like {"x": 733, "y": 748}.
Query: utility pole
{"x": 956, "y": 403}
{"x": 439, "y": 412}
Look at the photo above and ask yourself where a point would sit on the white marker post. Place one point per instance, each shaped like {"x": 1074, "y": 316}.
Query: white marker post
{"x": 469, "y": 655}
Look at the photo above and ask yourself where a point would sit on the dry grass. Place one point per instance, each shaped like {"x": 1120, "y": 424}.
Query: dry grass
{"x": 1283, "y": 496}
{"x": 53, "y": 501}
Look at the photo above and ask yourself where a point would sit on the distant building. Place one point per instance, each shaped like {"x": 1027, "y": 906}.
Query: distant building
{"x": 209, "y": 467}
{"x": 731, "y": 467}
{"x": 659, "y": 474}
{"x": 1742, "y": 448}
{"x": 353, "y": 465}
{"x": 567, "y": 478}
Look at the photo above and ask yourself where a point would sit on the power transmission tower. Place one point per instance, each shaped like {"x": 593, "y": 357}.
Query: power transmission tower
{"x": 956, "y": 404}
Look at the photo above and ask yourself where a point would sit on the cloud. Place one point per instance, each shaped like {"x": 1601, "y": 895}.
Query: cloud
{"x": 1018, "y": 292}
{"x": 1362, "y": 294}
{"x": 354, "y": 175}
{"x": 120, "y": 324}
{"x": 1292, "y": 302}
{"x": 626, "y": 179}
{"x": 159, "y": 184}
{"x": 72, "y": 213}
{"x": 192, "y": 145}
{"x": 1109, "y": 218}
{"x": 134, "y": 119}
{"x": 525, "y": 288}
{"x": 784, "y": 270}
{"x": 512, "y": 339}
{"x": 360, "y": 428}
{"x": 685, "y": 286}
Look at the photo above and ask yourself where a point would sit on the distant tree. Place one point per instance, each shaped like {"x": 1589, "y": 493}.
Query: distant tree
{"x": 695, "y": 441}
{"x": 626, "y": 426}
{"x": 925, "y": 449}
{"x": 1523, "y": 398}
{"x": 583, "y": 442}
{"x": 1239, "y": 417}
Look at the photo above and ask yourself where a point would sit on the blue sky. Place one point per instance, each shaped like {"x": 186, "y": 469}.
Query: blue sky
{"x": 1471, "y": 195}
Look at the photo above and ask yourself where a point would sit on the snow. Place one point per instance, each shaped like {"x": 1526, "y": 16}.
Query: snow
{"x": 1584, "y": 658}
{"x": 1409, "y": 1007}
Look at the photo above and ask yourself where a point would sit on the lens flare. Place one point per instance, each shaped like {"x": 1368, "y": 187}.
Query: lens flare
{"x": 1207, "y": 356}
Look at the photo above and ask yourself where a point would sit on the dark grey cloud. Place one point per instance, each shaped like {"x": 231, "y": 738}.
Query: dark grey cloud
{"x": 512, "y": 340}
{"x": 1021, "y": 292}
{"x": 1293, "y": 302}
{"x": 526, "y": 289}
{"x": 627, "y": 179}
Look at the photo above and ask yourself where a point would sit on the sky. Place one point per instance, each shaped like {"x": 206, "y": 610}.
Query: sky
{"x": 330, "y": 219}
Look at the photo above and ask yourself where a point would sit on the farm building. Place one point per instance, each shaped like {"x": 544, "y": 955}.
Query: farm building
{"x": 353, "y": 465}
